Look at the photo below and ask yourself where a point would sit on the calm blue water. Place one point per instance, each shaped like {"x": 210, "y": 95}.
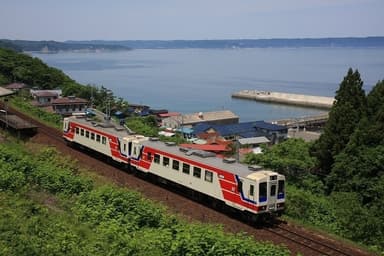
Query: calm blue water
{"x": 194, "y": 80}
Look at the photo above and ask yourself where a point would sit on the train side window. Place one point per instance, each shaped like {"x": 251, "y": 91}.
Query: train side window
{"x": 186, "y": 168}
{"x": 87, "y": 134}
{"x": 156, "y": 158}
{"x": 77, "y": 130}
{"x": 92, "y": 136}
{"x": 208, "y": 176}
{"x": 240, "y": 186}
{"x": 263, "y": 192}
{"x": 175, "y": 165}
{"x": 165, "y": 161}
{"x": 251, "y": 190}
{"x": 98, "y": 137}
{"x": 273, "y": 190}
{"x": 103, "y": 140}
{"x": 196, "y": 172}
{"x": 82, "y": 132}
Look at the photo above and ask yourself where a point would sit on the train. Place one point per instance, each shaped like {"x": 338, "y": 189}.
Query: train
{"x": 246, "y": 189}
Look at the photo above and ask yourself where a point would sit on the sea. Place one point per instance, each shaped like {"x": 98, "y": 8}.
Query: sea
{"x": 202, "y": 80}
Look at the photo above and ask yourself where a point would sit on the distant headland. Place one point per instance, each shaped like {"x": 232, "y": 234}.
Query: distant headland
{"x": 114, "y": 45}
{"x": 377, "y": 41}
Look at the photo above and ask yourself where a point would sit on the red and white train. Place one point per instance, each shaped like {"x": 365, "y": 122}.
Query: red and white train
{"x": 251, "y": 191}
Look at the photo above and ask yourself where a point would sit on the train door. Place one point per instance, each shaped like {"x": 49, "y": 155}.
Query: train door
{"x": 123, "y": 147}
{"x": 272, "y": 198}
{"x": 66, "y": 124}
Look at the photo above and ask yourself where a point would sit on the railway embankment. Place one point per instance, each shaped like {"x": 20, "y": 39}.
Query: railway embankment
{"x": 286, "y": 98}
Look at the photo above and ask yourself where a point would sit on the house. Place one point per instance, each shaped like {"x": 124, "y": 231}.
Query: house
{"x": 190, "y": 120}
{"x": 45, "y": 97}
{"x": 274, "y": 133}
{"x": 253, "y": 144}
{"x": 68, "y": 105}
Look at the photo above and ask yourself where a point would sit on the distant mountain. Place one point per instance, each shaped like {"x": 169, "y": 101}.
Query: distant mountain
{"x": 242, "y": 43}
{"x": 54, "y": 46}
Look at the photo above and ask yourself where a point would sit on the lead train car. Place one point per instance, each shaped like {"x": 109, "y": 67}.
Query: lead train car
{"x": 235, "y": 184}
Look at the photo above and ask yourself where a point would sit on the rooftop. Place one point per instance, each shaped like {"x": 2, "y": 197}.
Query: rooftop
{"x": 5, "y": 92}
{"x": 206, "y": 116}
{"x": 68, "y": 100}
{"x": 15, "y": 86}
{"x": 245, "y": 130}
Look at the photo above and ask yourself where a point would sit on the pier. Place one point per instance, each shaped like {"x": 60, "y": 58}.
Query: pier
{"x": 286, "y": 98}
{"x": 304, "y": 122}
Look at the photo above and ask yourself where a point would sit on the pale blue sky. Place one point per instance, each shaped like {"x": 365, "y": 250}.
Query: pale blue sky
{"x": 193, "y": 19}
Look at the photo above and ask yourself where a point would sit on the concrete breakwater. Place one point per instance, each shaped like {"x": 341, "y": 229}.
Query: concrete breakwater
{"x": 286, "y": 98}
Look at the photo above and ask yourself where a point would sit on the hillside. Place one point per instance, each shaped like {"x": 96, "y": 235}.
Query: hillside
{"x": 54, "y": 46}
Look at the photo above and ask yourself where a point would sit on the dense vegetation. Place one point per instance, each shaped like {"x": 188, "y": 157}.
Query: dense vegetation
{"x": 337, "y": 182}
{"x": 19, "y": 67}
{"x": 47, "y": 208}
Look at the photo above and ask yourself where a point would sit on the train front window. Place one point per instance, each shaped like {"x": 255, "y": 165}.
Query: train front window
{"x": 263, "y": 192}
{"x": 273, "y": 190}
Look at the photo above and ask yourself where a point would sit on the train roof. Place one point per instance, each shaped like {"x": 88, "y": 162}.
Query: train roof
{"x": 203, "y": 157}
{"x": 208, "y": 158}
{"x": 108, "y": 126}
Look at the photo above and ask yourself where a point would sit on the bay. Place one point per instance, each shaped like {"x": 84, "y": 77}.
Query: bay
{"x": 194, "y": 80}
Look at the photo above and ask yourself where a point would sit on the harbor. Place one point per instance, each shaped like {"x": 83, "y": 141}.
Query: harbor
{"x": 286, "y": 98}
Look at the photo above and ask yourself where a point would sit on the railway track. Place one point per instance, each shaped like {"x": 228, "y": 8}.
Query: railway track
{"x": 316, "y": 244}
{"x": 297, "y": 241}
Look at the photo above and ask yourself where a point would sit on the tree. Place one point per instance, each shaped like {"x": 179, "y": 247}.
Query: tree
{"x": 361, "y": 163}
{"x": 290, "y": 158}
{"x": 345, "y": 114}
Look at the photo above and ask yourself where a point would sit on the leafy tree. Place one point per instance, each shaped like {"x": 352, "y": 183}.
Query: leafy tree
{"x": 346, "y": 112}
{"x": 290, "y": 157}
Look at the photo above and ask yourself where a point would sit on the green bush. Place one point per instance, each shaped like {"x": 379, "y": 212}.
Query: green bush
{"x": 106, "y": 220}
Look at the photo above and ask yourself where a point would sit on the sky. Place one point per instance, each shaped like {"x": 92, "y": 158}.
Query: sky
{"x": 62, "y": 20}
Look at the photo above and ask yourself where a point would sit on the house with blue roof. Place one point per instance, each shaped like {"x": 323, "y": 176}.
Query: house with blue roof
{"x": 273, "y": 132}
